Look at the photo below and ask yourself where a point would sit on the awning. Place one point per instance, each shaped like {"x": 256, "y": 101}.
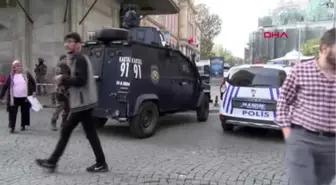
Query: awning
{"x": 154, "y": 7}
{"x": 293, "y": 56}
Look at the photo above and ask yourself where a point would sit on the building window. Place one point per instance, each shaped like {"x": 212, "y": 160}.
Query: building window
{"x": 7, "y": 3}
{"x": 91, "y": 35}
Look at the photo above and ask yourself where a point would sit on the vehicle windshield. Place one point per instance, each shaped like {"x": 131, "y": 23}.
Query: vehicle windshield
{"x": 257, "y": 77}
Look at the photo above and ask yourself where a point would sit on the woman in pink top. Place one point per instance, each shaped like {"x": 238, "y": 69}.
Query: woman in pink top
{"x": 19, "y": 85}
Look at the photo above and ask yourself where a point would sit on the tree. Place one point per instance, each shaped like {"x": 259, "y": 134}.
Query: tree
{"x": 311, "y": 48}
{"x": 220, "y": 51}
{"x": 210, "y": 26}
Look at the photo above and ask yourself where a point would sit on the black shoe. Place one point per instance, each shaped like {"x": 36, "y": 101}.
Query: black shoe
{"x": 98, "y": 168}
{"x": 23, "y": 128}
{"x": 11, "y": 130}
{"x": 44, "y": 163}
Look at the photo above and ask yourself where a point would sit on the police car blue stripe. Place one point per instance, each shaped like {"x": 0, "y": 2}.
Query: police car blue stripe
{"x": 235, "y": 95}
{"x": 271, "y": 93}
{"x": 277, "y": 92}
{"x": 226, "y": 95}
{"x": 229, "y": 100}
{"x": 227, "y": 103}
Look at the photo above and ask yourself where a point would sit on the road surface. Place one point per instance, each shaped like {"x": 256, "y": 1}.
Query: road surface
{"x": 183, "y": 152}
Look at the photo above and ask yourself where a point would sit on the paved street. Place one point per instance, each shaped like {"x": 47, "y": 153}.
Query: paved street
{"x": 182, "y": 152}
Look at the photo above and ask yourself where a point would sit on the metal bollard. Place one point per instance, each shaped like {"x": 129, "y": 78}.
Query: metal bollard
{"x": 216, "y": 102}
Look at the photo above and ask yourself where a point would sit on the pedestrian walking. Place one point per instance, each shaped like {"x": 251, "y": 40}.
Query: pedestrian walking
{"x": 61, "y": 94}
{"x": 82, "y": 100}
{"x": 306, "y": 111}
{"x": 40, "y": 72}
{"x": 18, "y": 86}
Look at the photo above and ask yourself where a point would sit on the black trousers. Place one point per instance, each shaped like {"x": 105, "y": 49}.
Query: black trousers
{"x": 24, "y": 105}
{"x": 85, "y": 118}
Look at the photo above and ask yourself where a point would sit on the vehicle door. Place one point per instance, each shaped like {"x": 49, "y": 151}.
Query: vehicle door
{"x": 168, "y": 73}
{"x": 186, "y": 82}
{"x": 252, "y": 93}
{"x": 173, "y": 70}
{"x": 112, "y": 68}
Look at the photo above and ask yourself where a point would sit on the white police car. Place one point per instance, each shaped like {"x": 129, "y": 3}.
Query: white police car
{"x": 250, "y": 94}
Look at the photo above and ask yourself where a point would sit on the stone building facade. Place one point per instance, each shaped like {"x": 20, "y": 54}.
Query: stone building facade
{"x": 182, "y": 27}
{"x": 189, "y": 29}
{"x": 30, "y": 29}
{"x": 165, "y": 23}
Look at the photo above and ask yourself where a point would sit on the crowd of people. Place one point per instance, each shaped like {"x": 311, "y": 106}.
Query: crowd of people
{"x": 76, "y": 94}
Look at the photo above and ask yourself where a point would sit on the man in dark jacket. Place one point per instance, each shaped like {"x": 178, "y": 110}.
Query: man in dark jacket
{"x": 83, "y": 98}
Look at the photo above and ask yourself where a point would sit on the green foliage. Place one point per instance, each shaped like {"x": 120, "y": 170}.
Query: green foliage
{"x": 220, "y": 51}
{"x": 311, "y": 48}
{"x": 210, "y": 25}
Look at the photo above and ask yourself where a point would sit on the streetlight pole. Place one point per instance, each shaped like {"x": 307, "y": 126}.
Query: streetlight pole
{"x": 334, "y": 17}
{"x": 299, "y": 43}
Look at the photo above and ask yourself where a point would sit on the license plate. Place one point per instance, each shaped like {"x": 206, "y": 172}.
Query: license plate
{"x": 255, "y": 106}
{"x": 249, "y": 105}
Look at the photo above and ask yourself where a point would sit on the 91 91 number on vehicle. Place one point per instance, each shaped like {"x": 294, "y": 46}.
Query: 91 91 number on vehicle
{"x": 126, "y": 62}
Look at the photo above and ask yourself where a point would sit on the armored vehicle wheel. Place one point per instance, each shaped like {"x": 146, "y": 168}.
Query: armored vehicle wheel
{"x": 144, "y": 123}
{"x": 99, "y": 122}
{"x": 107, "y": 35}
{"x": 203, "y": 110}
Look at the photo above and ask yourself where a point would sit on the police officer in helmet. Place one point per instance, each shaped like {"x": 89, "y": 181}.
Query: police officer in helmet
{"x": 131, "y": 18}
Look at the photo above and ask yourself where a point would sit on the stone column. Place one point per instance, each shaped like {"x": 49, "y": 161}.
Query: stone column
{"x": 183, "y": 20}
{"x": 77, "y": 12}
{"x": 21, "y": 35}
{"x": 115, "y": 8}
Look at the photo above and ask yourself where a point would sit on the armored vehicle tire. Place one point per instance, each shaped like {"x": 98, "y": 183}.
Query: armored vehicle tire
{"x": 227, "y": 127}
{"x": 144, "y": 123}
{"x": 99, "y": 122}
{"x": 107, "y": 35}
{"x": 203, "y": 110}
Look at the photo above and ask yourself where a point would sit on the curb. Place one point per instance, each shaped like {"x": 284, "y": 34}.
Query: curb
{"x": 211, "y": 111}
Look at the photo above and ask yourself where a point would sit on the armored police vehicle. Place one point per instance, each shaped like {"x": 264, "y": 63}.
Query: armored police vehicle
{"x": 140, "y": 79}
{"x": 249, "y": 98}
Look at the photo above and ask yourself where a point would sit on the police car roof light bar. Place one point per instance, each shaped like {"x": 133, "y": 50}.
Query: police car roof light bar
{"x": 257, "y": 66}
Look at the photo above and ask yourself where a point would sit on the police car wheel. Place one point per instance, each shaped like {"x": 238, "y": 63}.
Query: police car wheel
{"x": 203, "y": 110}
{"x": 144, "y": 123}
{"x": 99, "y": 122}
{"x": 227, "y": 127}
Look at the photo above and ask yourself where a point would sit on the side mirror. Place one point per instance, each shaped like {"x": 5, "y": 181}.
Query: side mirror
{"x": 163, "y": 40}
